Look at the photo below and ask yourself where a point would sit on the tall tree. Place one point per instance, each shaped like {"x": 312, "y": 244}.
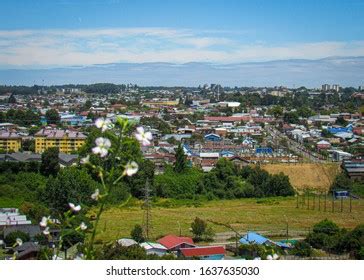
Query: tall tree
{"x": 70, "y": 185}
{"x": 52, "y": 116}
{"x": 50, "y": 162}
{"x": 181, "y": 160}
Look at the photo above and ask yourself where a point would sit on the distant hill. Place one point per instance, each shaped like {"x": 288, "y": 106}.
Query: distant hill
{"x": 346, "y": 71}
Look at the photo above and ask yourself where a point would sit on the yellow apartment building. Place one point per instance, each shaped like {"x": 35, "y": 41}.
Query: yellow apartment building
{"x": 10, "y": 141}
{"x": 65, "y": 140}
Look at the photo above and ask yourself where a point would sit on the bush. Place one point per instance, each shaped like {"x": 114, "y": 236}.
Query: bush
{"x": 302, "y": 249}
{"x": 201, "y": 231}
{"x": 137, "y": 234}
{"x": 71, "y": 185}
{"x": 10, "y": 239}
{"x": 326, "y": 227}
{"x": 178, "y": 185}
{"x": 34, "y": 211}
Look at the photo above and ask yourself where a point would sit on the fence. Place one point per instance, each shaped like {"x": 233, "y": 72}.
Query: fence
{"x": 324, "y": 202}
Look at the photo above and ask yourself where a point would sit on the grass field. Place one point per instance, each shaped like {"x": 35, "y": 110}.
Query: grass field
{"x": 244, "y": 214}
{"x": 307, "y": 175}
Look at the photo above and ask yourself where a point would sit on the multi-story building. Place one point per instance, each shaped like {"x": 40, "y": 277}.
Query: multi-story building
{"x": 325, "y": 87}
{"x": 67, "y": 141}
{"x": 10, "y": 141}
{"x": 335, "y": 88}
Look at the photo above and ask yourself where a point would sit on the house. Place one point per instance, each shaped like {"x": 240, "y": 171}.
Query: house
{"x": 154, "y": 248}
{"x": 27, "y": 251}
{"x": 64, "y": 159}
{"x": 354, "y": 168}
{"x": 204, "y": 253}
{"x": 264, "y": 150}
{"x": 227, "y": 154}
{"x": 126, "y": 242}
{"x": 338, "y": 155}
{"x": 31, "y": 230}
{"x": 212, "y": 137}
{"x": 239, "y": 161}
{"x": 255, "y": 238}
{"x": 323, "y": 145}
{"x": 175, "y": 243}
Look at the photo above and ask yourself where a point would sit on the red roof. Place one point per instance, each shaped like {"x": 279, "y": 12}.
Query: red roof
{"x": 203, "y": 251}
{"x": 227, "y": 119}
{"x": 172, "y": 241}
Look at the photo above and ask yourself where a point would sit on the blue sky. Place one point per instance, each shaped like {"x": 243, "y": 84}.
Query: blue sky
{"x": 43, "y": 33}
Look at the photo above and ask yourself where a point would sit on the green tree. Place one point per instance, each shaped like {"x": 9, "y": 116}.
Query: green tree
{"x": 181, "y": 160}
{"x": 12, "y": 99}
{"x": 201, "y": 230}
{"x": 52, "y": 116}
{"x": 71, "y": 185}
{"x": 291, "y": 117}
{"x": 137, "y": 234}
{"x": 50, "y": 162}
{"x": 276, "y": 111}
{"x": 302, "y": 249}
{"x": 341, "y": 121}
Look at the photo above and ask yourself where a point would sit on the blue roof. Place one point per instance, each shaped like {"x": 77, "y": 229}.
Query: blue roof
{"x": 253, "y": 237}
{"x": 227, "y": 153}
{"x": 283, "y": 245}
{"x": 264, "y": 150}
{"x": 335, "y": 130}
{"x": 212, "y": 137}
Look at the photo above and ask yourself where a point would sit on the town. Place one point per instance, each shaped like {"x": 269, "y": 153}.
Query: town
{"x": 205, "y": 145}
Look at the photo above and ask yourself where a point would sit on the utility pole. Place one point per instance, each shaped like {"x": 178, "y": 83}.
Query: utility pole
{"x": 286, "y": 227}
{"x": 147, "y": 207}
{"x": 350, "y": 202}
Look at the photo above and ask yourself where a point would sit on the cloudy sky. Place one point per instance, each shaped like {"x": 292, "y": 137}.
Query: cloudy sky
{"x": 42, "y": 34}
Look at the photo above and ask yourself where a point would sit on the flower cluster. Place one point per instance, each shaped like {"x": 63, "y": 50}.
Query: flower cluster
{"x": 107, "y": 146}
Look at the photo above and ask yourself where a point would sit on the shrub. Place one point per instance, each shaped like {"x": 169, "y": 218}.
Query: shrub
{"x": 137, "y": 234}
{"x": 201, "y": 230}
{"x": 10, "y": 239}
{"x": 302, "y": 249}
{"x": 326, "y": 227}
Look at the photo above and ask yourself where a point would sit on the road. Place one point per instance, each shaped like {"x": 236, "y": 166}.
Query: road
{"x": 295, "y": 146}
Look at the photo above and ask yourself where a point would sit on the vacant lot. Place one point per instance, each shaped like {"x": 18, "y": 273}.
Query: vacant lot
{"x": 244, "y": 214}
{"x": 307, "y": 175}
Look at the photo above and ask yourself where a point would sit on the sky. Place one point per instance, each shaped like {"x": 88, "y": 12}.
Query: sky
{"x": 43, "y": 34}
{"x": 38, "y": 34}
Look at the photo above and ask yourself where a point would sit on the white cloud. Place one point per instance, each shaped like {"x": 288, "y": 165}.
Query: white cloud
{"x": 96, "y": 46}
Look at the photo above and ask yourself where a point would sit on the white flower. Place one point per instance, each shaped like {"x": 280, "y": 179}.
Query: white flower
{"x": 269, "y": 257}
{"x": 96, "y": 195}
{"x": 85, "y": 160}
{"x": 102, "y": 146}
{"x": 83, "y": 226}
{"x": 275, "y": 257}
{"x": 46, "y": 231}
{"x": 131, "y": 168}
{"x": 143, "y": 137}
{"x": 74, "y": 208}
{"x": 44, "y": 222}
{"x": 19, "y": 242}
{"x": 104, "y": 124}
{"x": 257, "y": 258}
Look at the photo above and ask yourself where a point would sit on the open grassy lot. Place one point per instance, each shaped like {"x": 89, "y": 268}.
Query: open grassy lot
{"x": 307, "y": 175}
{"x": 244, "y": 214}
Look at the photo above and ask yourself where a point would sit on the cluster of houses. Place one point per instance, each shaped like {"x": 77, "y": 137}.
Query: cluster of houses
{"x": 180, "y": 246}
{"x": 221, "y": 128}
{"x": 322, "y": 135}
